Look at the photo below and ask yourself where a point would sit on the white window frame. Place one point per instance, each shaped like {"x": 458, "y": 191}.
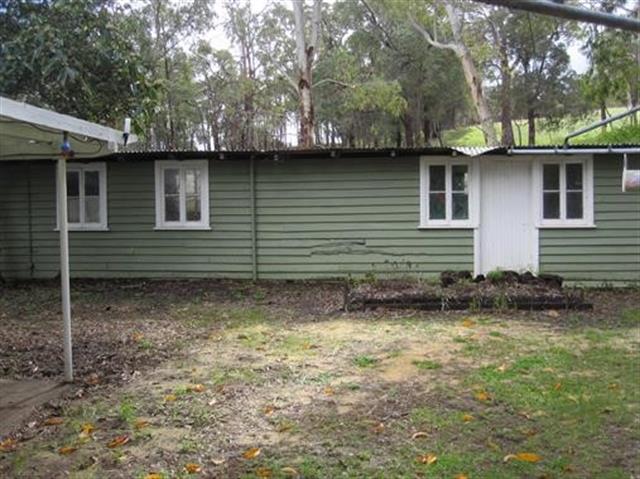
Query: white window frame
{"x": 473, "y": 188}
{"x": 203, "y": 166}
{"x": 587, "y": 220}
{"x": 101, "y": 168}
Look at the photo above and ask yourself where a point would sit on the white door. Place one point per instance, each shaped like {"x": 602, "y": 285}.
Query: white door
{"x": 507, "y": 234}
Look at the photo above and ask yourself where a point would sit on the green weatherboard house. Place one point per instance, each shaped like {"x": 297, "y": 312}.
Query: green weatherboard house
{"x": 326, "y": 214}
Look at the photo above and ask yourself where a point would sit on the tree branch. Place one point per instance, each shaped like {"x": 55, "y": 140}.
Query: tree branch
{"x": 331, "y": 80}
{"x": 374, "y": 19}
{"x": 434, "y": 43}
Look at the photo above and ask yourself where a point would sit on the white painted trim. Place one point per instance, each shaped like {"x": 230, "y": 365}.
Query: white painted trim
{"x": 31, "y": 114}
{"x": 203, "y": 166}
{"x": 473, "y": 187}
{"x": 101, "y": 168}
{"x": 588, "y": 198}
{"x": 477, "y": 252}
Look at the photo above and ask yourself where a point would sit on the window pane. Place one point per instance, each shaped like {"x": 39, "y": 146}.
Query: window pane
{"x": 551, "y": 177}
{"x": 460, "y": 206}
{"x": 193, "y": 208}
{"x": 192, "y": 180}
{"x": 92, "y": 209}
{"x": 91, "y": 183}
{"x": 437, "y": 207}
{"x": 574, "y": 176}
{"x": 73, "y": 210}
{"x": 574, "y": 205}
{"x": 171, "y": 182}
{"x": 436, "y": 178}
{"x": 73, "y": 183}
{"x": 172, "y": 208}
{"x": 551, "y": 206}
{"x": 459, "y": 177}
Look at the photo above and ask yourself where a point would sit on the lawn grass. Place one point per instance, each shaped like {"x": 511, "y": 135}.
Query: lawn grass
{"x": 545, "y": 134}
{"x": 361, "y": 397}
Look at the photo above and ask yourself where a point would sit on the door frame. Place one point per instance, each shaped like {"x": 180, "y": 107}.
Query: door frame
{"x": 534, "y": 254}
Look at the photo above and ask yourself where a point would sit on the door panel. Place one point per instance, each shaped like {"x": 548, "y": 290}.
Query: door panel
{"x": 507, "y": 235}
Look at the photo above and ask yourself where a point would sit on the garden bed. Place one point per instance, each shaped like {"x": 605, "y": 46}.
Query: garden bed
{"x": 458, "y": 291}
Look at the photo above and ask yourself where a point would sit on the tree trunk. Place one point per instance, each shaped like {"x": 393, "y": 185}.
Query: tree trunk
{"x": 603, "y": 115}
{"x": 407, "y": 121}
{"x": 472, "y": 77}
{"x": 531, "y": 120}
{"x": 305, "y": 51}
{"x": 505, "y": 99}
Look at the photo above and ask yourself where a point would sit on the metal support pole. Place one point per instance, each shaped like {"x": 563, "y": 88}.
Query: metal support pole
{"x": 63, "y": 226}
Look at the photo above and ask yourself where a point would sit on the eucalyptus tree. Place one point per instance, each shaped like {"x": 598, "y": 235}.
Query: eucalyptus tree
{"x": 74, "y": 57}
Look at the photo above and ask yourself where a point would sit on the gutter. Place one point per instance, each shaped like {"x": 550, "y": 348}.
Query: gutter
{"x": 632, "y": 150}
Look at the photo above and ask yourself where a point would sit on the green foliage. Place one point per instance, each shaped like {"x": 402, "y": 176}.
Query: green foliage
{"x": 73, "y": 57}
{"x": 365, "y": 361}
{"x": 629, "y": 134}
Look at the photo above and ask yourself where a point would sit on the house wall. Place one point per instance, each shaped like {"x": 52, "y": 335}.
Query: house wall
{"x": 131, "y": 247}
{"x": 333, "y": 217}
{"x": 609, "y": 253}
{"x": 315, "y": 219}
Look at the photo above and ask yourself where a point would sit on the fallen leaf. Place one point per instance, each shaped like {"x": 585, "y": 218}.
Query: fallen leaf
{"x": 263, "y": 472}
{"x": 170, "y": 398}
{"x": 467, "y": 418}
{"x": 268, "y": 410}
{"x": 523, "y": 456}
{"x": 140, "y": 424}
{"x": 530, "y": 432}
{"x": 419, "y": 435}
{"x": 8, "y": 445}
{"x": 427, "y": 458}
{"x": 289, "y": 471}
{"x": 53, "y": 421}
{"x": 461, "y": 476}
{"x": 553, "y": 313}
{"x": 557, "y": 386}
{"x": 217, "y": 462}
{"x": 118, "y": 441}
{"x": 502, "y": 368}
{"x": 482, "y": 396}
{"x": 467, "y": 323}
{"x": 378, "y": 428}
{"x": 153, "y": 475}
{"x": 568, "y": 468}
{"x": 614, "y": 386}
{"x": 329, "y": 391}
{"x": 93, "y": 379}
{"x": 192, "y": 468}
{"x": 251, "y": 453}
{"x": 86, "y": 430}
{"x": 492, "y": 445}
{"x": 66, "y": 450}
{"x": 197, "y": 388}
{"x": 137, "y": 337}
{"x": 284, "y": 426}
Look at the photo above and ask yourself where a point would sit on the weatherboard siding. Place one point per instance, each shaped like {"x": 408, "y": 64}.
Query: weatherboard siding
{"x": 336, "y": 217}
{"x": 315, "y": 218}
{"x": 608, "y": 253}
{"x": 131, "y": 247}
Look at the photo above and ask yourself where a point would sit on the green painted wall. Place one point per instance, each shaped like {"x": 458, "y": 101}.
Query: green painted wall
{"x": 609, "y": 253}
{"x": 315, "y": 219}
{"x": 131, "y": 248}
{"x": 332, "y": 217}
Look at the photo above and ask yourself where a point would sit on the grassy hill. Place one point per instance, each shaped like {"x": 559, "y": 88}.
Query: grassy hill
{"x": 621, "y": 132}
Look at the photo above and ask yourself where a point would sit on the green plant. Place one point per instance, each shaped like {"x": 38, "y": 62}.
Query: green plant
{"x": 495, "y": 276}
{"x": 501, "y": 302}
{"x": 426, "y": 364}
{"x": 364, "y": 361}
{"x": 127, "y": 411}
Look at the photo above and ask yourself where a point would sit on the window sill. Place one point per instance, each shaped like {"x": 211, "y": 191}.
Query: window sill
{"x": 465, "y": 226}
{"x": 561, "y": 226}
{"x": 182, "y": 228}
